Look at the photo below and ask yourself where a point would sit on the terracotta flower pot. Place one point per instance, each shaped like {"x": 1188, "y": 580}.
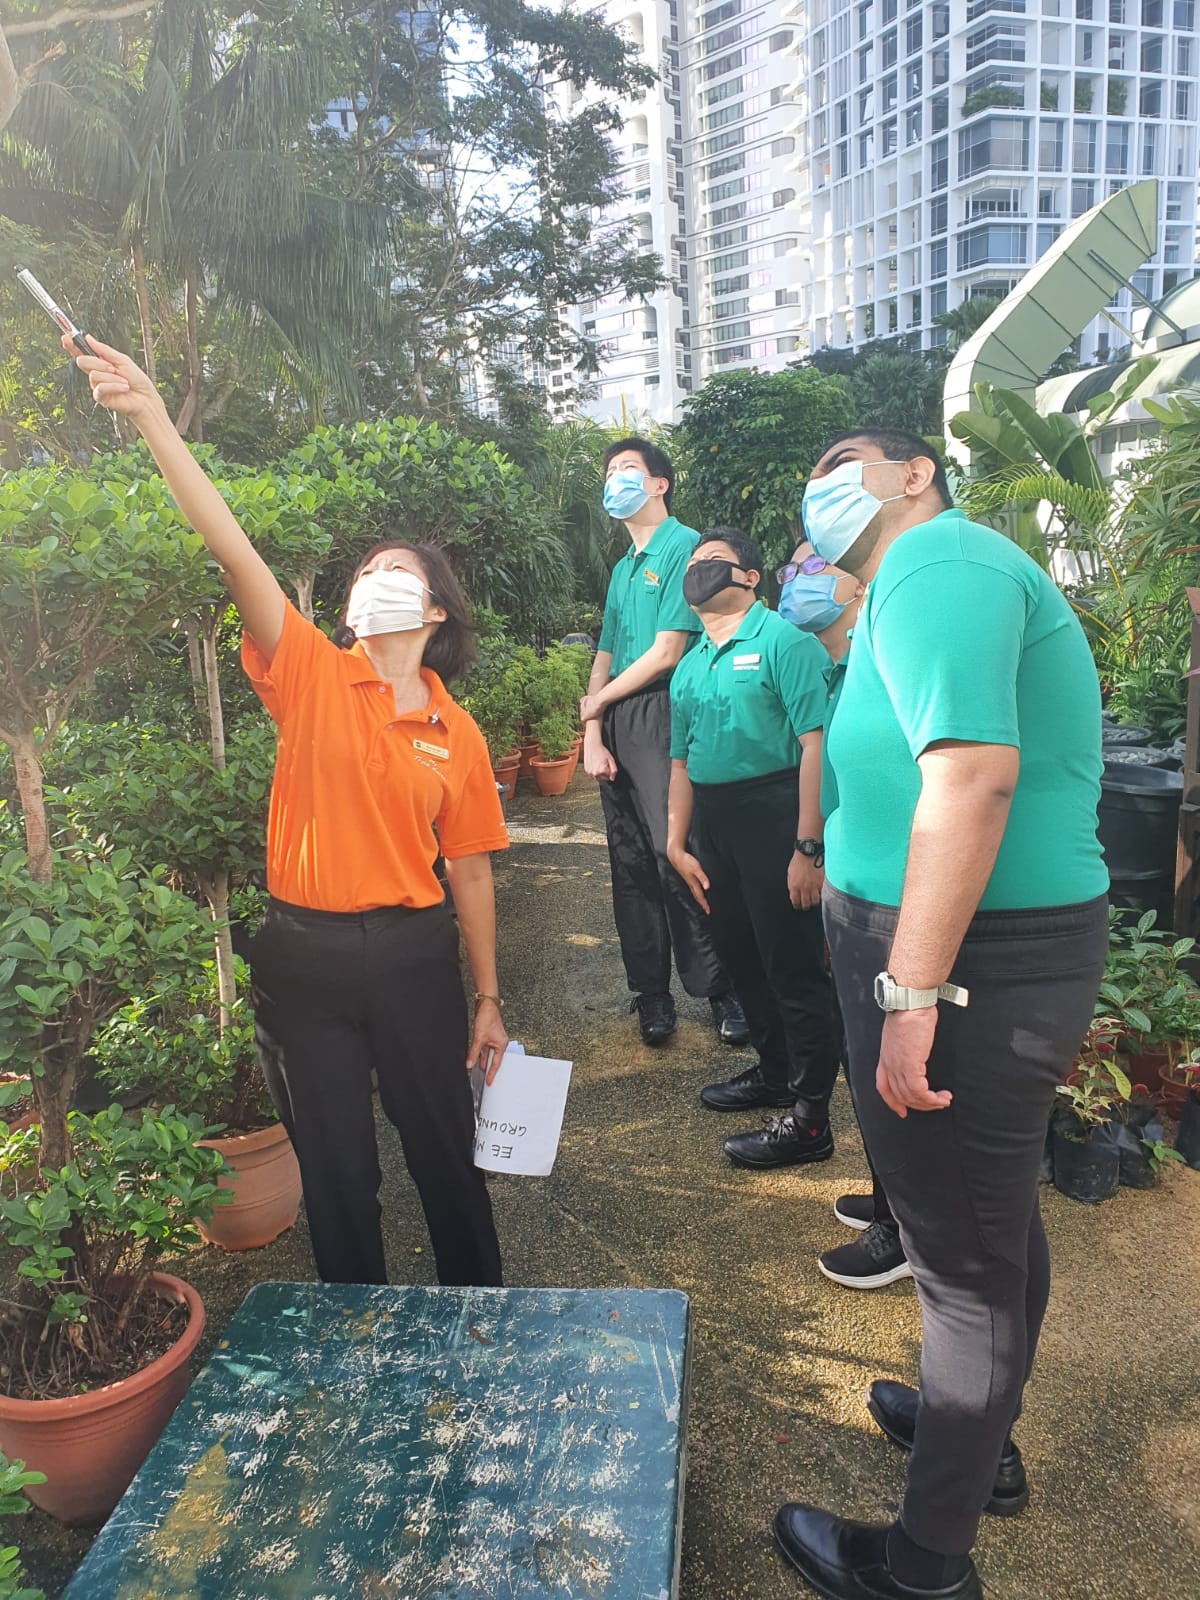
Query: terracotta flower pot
{"x": 91, "y": 1445}
{"x": 1173, "y": 1091}
{"x": 528, "y": 752}
{"x": 1144, "y": 1065}
{"x": 552, "y": 777}
{"x": 505, "y": 773}
{"x": 265, "y": 1185}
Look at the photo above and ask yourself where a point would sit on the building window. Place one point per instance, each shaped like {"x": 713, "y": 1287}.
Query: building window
{"x": 912, "y": 81}
{"x": 782, "y": 197}
{"x": 998, "y": 41}
{"x": 992, "y": 142}
{"x": 1046, "y": 235}
{"x": 1185, "y": 14}
{"x": 781, "y": 40}
{"x": 1084, "y": 159}
{"x": 887, "y": 134}
{"x": 939, "y": 164}
{"x": 913, "y": 35}
{"x": 889, "y": 94}
{"x": 994, "y": 242}
{"x": 937, "y": 259}
{"x": 912, "y": 126}
{"x": 788, "y": 345}
{"x": 941, "y": 20}
{"x": 939, "y": 212}
{"x": 1083, "y": 197}
{"x": 732, "y": 330}
{"x": 1050, "y": 147}
{"x": 939, "y": 108}
{"x": 1047, "y": 203}
{"x": 1184, "y": 101}
{"x": 1116, "y": 148}
{"x": 1152, "y": 53}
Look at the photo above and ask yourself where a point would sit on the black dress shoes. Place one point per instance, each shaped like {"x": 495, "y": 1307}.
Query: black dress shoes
{"x": 894, "y": 1407}
{"x": 784, "y": 1142}
{"x": 849, "y": 1561}
{"x": 743, "y": 1093}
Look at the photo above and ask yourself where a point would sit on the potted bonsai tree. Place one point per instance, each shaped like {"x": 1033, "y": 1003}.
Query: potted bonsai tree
{"x": 169, "y": 1044}
{"x": 1085, "y": 1138}
{"x": 96, "y": 1350}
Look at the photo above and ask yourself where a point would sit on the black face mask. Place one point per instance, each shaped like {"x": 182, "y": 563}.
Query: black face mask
{"x": 707, "y": 579}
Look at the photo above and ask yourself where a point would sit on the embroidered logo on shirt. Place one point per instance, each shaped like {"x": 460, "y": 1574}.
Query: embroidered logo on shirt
{"x": 437, "y": 750}
{"x": 652, "y": 578}
{"x": 742, "y": 663}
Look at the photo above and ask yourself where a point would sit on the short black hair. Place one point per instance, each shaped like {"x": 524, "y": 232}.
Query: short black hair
{"x": 658, "y": 465}
{"x": 898, "y": 444}
{"x": 743, "y": 546}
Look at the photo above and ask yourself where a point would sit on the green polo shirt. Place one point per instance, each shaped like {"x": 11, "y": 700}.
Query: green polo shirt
{"x": 962, "y": 636}
{"x": 645, "y": 595}
{"x": 835, "y": 676}
{"x": 738, "y": 708}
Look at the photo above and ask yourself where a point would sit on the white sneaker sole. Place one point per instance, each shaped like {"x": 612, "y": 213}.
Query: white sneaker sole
{"x": 850, "y": 1222}
{"x": 877, "y": 1280}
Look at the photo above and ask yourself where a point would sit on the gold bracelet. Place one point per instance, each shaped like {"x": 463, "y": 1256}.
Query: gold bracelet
{"x": 495, "y": 997}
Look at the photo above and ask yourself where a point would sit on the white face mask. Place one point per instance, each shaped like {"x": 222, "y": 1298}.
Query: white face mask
{"x": 391, "y": 601}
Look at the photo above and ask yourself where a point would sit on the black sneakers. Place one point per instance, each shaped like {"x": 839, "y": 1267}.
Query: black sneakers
{"x": 894, "y": 1407}
{"x": 783, "y": 1142}
{"x": 855, "y": 1210}
{"x": 730, "y": 1019}
{"x": 656, "y": 1016}
{"x": 743, "y": 1093}
{"x": 874, "y": 1259}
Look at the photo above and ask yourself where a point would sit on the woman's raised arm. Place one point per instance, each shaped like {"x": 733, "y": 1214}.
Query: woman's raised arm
{"x": 120, "y": 384}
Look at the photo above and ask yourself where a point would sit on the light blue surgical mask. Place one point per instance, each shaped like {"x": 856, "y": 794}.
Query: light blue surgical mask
{"x": 625, "y": 493}
{"x": 808, "y": 602}
{"x": 838, "y": 507}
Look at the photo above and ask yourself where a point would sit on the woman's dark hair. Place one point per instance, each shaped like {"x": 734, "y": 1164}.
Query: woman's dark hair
{"x": 450, "y": 648}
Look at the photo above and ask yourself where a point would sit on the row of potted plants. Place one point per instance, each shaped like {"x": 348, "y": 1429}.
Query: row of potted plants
{"x": 1139, "y": 1063}
{"x": 526, "y": 706}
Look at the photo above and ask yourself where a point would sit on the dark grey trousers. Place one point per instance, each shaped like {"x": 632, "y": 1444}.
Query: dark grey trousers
{"x": 652, "y": 906}
{"x": 963, "y": 1182}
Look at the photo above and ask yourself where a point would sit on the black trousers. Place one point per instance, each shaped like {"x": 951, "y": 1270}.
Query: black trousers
{"x": 964, "y": 1182}
{"x": 745, "y": 836}
{"x": 883, "y": 1209}
{"x": 653, "y": 910}
{"x": 335, "y": 996}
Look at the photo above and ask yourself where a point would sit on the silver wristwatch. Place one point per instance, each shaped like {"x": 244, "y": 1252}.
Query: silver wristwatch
{"x": 892, "y": 996}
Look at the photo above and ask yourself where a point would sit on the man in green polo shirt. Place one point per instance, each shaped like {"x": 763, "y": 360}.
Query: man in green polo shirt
{"x": 648, "y": 628}
{"x": 746, "y": 710}
{"x": 965, "y": 908}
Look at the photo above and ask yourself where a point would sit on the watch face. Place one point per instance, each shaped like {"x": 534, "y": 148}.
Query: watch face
{"x": 882, "y": 988}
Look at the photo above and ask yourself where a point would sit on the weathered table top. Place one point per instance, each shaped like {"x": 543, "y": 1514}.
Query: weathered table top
{"x": 361, "y": 1443}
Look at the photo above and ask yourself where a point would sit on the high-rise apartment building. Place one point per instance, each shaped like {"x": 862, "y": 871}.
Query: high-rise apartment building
{"x": 950, "y": 143}
{"x": 825, "y": 172}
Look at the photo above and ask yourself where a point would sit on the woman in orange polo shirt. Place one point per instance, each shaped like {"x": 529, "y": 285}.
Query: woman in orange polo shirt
{"x": 356, "y": 965}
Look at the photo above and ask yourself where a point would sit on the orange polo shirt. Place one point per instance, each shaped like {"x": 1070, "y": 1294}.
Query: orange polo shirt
{"x": 362, "y": 799}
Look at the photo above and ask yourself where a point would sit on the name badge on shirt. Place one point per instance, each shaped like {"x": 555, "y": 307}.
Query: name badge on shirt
{"x": 652, "y": 578}
{"x": 744, "y": 663}
{"x": 437, "y": 750}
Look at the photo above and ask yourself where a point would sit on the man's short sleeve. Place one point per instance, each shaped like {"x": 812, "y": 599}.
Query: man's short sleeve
{"x": 297, "y": 660}
{"x": 947, "y": 642}
{"x": 608, "y": 627}
{"x": 681, "y": 721}
{"x": 674, "y": 613}
{"x": 472, "y": 820}
{"x": 800, "y": 664}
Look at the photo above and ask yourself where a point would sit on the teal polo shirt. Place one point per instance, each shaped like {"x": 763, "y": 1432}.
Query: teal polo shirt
{"x": 645, "y": 595}
{"x": 738, "y": 708}
{"x": 962, "y": 636}
{"x": 835, "y": 676}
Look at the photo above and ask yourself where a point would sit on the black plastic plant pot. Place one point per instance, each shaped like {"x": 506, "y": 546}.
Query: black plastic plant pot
{"x": 1187, "y": 1140}
{"x": 1137, "y": 820}
{"x": 1087, "y": 1169}
{"x": 1139, "y": 755}
{"x": 1124, "y": 733}
{"x": 1135, "y": 1171}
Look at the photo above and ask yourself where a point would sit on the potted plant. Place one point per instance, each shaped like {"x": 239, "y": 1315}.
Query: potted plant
{"x": 169, "y": 1044}
{"x": 492, "y": 693}
{"x": 1178, "y": 1082}
{"x": 1142, "y": 1148}
{"x": 13, "y": 1503}
{"x": 1087, "y": 1158}
{"x": 522, "y": 675}
{"x": 1187, "y": 1139}
{"x": 555, "y": 733}
{"x": 95, "y": 1352}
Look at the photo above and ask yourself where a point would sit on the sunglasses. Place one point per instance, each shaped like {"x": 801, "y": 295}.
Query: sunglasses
{"x": 810, "y": 566}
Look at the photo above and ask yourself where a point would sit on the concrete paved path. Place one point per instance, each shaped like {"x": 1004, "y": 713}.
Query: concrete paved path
{"x": 642, "y": 1195}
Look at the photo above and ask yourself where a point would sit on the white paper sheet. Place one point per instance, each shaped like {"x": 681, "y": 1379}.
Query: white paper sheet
{"x": 521, "y": 1115}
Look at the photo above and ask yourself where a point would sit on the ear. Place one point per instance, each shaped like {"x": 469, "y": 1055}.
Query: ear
{"x": 436, "y": 613}
{"x": 921, "y": 470}
{"x": 754, "y": 576}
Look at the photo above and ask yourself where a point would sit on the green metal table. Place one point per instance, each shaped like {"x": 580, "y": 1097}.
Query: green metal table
{"x": 364, "y": 1443}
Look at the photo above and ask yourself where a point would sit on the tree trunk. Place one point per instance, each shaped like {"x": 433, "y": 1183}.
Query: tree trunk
{"x": 216, "y": 893}
{"x": 195, "y": 666}
{"x": 304, "y": 594}
{"x": 143, "y": 304}
{"x": 212, "y": 689}
{"x": 31, "y": 786}
{"x": 191, "y": 414}
{"x": 52, "y": 1095}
